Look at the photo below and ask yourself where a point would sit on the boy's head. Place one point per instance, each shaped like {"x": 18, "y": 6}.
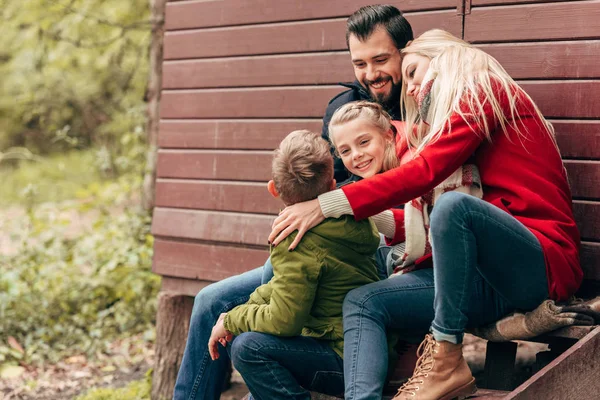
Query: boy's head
{"x": 302, "y": 168}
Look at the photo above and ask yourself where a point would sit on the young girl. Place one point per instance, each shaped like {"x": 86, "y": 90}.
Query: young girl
{"x": 512, "y": 249}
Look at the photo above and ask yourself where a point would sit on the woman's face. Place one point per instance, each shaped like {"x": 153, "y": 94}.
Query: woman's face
{"x": 361, "y": 146}
{"x": 414, "y": 68}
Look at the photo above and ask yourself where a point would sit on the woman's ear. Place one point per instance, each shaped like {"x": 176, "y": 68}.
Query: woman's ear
{"x": 271, "y": 189}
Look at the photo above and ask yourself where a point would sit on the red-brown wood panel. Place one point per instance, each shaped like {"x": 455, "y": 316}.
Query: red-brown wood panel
{"x": 289, "y": 69}
{"x": 278, "y": 102}
{"x": 230, "y": 134}
{"x": 587, "y": 215}
{"x": 293, "y": 37}
{"x": 204, "y": 261}
{"x": 578, "y": 138}
{"x": 198, "y": 14}
{"x": 564, "y": 20}
{"x": 566, "y": 99}
{"x": 590, "y": 260}
{"x": 584, "y": 177}
{"x": 214, "y": 164}
{"x": 478, "y": 3}
{"x": 548, "y": 60}
{"x": 236, "y": 228}
{"x": 247, "y": 197}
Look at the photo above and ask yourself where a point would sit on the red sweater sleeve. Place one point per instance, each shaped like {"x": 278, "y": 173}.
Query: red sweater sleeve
{"x": 399, "y": 233}
{"x": 434, "y": 164}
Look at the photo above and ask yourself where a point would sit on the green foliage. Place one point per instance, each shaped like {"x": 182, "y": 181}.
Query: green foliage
{"x": 55, "y": 178}
{"x": 74, "y": 74}
{"x": 65, "y": 292}
{"x": 136, "y": 390}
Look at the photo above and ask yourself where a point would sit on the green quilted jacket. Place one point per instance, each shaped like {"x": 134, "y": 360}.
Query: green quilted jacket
{"x": 306, "y": 294}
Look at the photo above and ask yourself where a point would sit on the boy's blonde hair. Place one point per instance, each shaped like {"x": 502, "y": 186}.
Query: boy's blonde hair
{"x": 466, "y": 79}
{"x": 302, "y": 167}
{"x": 375, "y": 115}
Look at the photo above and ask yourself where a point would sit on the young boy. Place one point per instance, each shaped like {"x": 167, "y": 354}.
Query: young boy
{"x": 289, "y": 335}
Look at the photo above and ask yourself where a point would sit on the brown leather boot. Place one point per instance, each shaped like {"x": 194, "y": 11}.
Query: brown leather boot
{"x": 441, "y": 373}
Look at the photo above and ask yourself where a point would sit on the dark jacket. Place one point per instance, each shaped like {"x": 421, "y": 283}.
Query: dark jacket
{"x": 355, "y": 92}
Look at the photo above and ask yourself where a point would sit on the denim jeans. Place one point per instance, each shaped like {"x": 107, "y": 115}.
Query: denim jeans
{"x": 286, "y": 368}
{"x": 199, "y": 377}
{"x": 486, "y": 264}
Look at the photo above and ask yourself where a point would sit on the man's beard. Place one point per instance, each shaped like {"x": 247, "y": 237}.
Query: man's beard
{"x": 390, "y": 100}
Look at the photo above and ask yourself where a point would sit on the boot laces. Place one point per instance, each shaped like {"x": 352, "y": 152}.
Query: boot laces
{"x": 424, "y": 366}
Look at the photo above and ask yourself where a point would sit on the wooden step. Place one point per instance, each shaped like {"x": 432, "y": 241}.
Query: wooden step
{"x": 488, "y": 394}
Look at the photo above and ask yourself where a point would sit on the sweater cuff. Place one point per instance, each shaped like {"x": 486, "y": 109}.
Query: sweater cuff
{"x": 334, "y": 204}
{"x": 385, "y": 223}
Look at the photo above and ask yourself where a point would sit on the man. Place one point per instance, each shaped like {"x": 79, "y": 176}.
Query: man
{"x": 375, "y": 35}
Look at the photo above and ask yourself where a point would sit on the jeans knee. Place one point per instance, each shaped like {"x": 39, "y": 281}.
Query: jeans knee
{"x": 448, "y": 208}
{"x": 358, "y": 302}
{"x": 244, "y": 349}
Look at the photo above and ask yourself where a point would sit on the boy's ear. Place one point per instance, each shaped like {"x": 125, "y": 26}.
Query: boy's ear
{"x": 271, "y": 189}
{"x": 333, "y": 184}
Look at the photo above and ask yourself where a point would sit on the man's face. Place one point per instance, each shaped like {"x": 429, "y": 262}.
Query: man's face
{"x": 377, "y": 66}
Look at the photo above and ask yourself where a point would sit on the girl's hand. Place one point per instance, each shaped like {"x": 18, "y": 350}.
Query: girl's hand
{"x": 300, "y": 217}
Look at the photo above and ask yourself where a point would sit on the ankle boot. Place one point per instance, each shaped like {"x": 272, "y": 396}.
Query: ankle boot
{"x": 441, "y": 373}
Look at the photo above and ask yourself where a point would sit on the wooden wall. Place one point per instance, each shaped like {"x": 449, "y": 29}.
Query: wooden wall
{"x": 239, "y": 75}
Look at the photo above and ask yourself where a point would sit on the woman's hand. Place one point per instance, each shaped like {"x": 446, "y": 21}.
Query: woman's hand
{"x": 300, "y": 217}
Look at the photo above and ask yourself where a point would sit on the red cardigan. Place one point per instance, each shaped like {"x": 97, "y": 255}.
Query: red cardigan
{"x": 523, "y": 176}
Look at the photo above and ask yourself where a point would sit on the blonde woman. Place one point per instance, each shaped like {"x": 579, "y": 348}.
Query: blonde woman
{"x": 510, "y": 250}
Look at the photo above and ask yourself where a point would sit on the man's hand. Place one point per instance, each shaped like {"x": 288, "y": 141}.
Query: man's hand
{"x": 300, "y": 217}
{"x": 219, "y": 335}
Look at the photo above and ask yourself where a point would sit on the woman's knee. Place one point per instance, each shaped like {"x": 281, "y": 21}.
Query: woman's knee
{"x": 450, "y": 207}
{"x": 360, "y": 302}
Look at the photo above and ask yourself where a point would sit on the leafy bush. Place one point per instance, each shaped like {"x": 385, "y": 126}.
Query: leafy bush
{"x": 66, "y": 293}
{"x": 72, "y": 72}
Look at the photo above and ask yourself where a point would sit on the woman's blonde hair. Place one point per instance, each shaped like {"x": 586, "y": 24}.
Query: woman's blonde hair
{"x": 376, "y": 116}
{"x": 466, "y": 78}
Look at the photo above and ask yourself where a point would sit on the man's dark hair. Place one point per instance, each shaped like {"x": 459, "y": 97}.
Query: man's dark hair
{"x": 366, "y": 19}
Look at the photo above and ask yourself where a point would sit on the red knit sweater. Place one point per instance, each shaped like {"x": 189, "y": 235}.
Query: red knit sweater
{"x": 523, "y": 176}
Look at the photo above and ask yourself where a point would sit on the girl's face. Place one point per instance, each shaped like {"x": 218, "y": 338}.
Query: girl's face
{"x": 361, "y": 146}
{"x": 414, "y": 68}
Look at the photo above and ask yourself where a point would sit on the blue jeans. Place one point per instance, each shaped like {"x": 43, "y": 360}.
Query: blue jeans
{"x": 486, "y": 264}
{"x": 286, "y": 368}
{"x": 199, "y": 377}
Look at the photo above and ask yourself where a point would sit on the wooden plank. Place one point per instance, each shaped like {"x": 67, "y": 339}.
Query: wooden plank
{"x": 231, "y": 134}
{"x": 198, "y": 14}
{"x": 549, "y": 60}
{"x": 573, "y": 375}
{"x": 278, "y": 102}
{"x": 214, "y": 164}
{"x": 556, "y": 99}
{"x": 488, "y": 394}
{"x": 292, "y": 37}
{"x": 566, "y": 99}
{"x": 248, "y": 197}
{"x": 578, "y": 138}
{"x": 206, "y": 262}
{"x": 234, "y": 228}
{"x": 590, "y": 260}
{"x": 584, "y": 178}
{"x": 533, "y": 22}
{"x": 289, "y": 69}
{"x": 185, "y": 287}
{"x": 479, "y": 3}
{"x": 587, "y": 215}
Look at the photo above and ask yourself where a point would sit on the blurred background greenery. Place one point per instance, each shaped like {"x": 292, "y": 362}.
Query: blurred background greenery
{"x": 75, "y": 244}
